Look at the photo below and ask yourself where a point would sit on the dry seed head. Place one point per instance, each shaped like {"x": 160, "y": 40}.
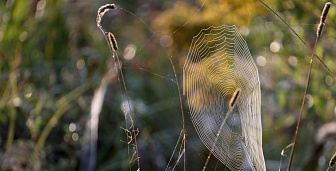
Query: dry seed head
{"x": 102, "y": 10}
{"x": 323, "y": 18}
{"x": 235, "y": 97}
{"x": 325, "y": 12}
{"x": 112, "y": 41}
{"x": 319, "y": 29}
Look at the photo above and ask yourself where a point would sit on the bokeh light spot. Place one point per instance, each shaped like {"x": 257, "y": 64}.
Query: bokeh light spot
{"x": 309, "y": 100}
{"x": 329, "y": 80}
{"x": 261, "y": 61}
{"x": 275, "y": 46}
{"x": 244, "y": 31}
{"x": 166, "y": 41}
{"x": 75, "y": 136}
{"x": 72, "y": 127}
{"x": 129, "y": 52}
{"x": 292, "y": 60}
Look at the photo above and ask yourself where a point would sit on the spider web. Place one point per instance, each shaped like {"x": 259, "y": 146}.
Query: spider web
{"x": 218, "y": 63}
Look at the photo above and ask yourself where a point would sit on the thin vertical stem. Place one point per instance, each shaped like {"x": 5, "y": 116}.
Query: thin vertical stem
{"x": 216, "y": 139}
{"x": 312, "y": 51}
{"x": 302, "y": 105}
{"x": 233, "y": 101}
{"x": 182, "y": 113}
{"x": 113, "y": 47}
{"x": 318, "y": 34}
{"x": 134, "y": 132}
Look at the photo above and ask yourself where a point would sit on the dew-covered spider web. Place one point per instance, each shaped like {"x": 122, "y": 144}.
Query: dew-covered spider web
{"x": 200, "y": 48}
{"x": 218, "y": 63}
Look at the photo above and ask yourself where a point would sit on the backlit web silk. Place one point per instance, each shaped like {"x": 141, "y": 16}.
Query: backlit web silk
{"x": 217, "y": 64}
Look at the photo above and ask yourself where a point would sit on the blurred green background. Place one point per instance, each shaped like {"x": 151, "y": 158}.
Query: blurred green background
{"x": 53, "y": 58}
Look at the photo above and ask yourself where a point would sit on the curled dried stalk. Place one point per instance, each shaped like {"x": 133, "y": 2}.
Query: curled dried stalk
{"x": 283, "y": 154}
{"x": 112, "y": 42}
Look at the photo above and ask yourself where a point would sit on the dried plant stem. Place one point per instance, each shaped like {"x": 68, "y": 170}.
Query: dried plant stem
{"x": 283, "y": 154}
{"x": 302, "y": 41}
{"x": 312, "y": 51}
{"x": 171, "y": 157}
{"x": 318, "y": 35}
{"x": 302, "y": 105}
{"x": 134, "y": 132}
{"x": 182, "y": 113}
{"x": 233, "y": 102}
{"x": 216, "y": 139}
{"x": 111, "y": 41}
